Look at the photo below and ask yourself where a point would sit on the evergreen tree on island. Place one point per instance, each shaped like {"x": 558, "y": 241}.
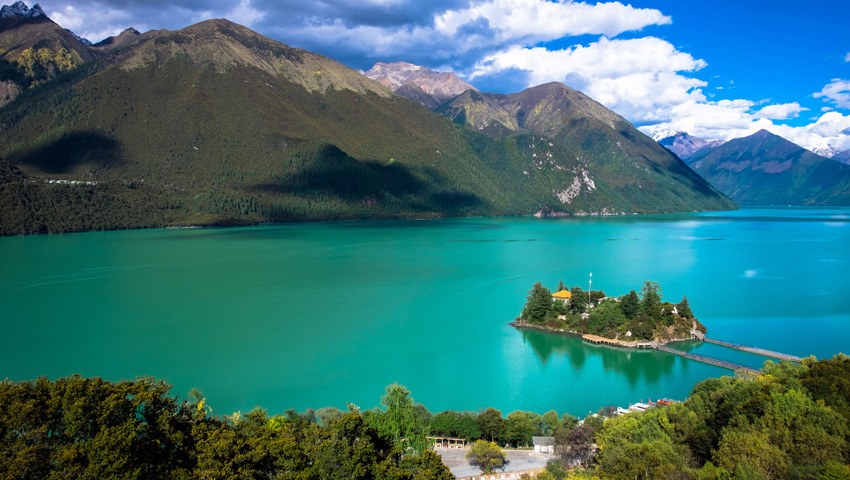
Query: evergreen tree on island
{"x": 539, "y": 306}
{"x": 684, "y": 308}
{"x": 630, "y": 305}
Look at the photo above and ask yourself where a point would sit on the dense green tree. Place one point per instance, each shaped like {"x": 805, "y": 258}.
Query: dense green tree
{"x": 630, "y": 305}
{"x": 684, "y": 308}
{"x": 596, "y": 296}
{"x": 491, "y": 424}
{"x": 486, "y": 455}
{"x": 578, "y": 301}
{"x": 605, "y": 318}
{"x": 539, "y": 305}
{"x": 578, "y": 449}
{"x": 551, "y": 422}
{"x": 399, "y": 422}
{"x": 520, "y": 426}
{"x": 327, "y": 415}
{"x": 650, "y": 295}
{"x": 426, "y": 466}
{"x": 455, "y": 424}
{"x": 561, "y": 287}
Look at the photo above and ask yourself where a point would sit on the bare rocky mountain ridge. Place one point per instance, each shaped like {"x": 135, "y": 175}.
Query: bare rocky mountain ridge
{"x": 420, "y": 84}
{"x": 684, "y": 145}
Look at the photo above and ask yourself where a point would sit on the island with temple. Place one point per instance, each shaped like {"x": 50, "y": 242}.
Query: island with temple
{"x": 636, "y": 320}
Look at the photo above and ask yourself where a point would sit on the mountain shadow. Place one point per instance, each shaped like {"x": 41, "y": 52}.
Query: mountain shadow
{"x": 71, "y": 151}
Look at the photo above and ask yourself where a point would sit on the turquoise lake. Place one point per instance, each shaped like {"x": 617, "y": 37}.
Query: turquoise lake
{"x": 314, "y": 315}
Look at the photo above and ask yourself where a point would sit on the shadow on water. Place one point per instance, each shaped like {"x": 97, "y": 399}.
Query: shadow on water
{"x": 635, "y": 365}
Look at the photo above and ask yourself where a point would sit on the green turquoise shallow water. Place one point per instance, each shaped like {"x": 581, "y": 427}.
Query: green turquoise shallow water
{"x": 312, "y": 315}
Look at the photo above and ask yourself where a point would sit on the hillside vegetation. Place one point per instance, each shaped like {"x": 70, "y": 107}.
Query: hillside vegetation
{"x": 217, "y": 125}
{"x": 765, "y": 169}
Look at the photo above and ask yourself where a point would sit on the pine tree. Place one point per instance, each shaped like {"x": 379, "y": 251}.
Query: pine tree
{"x": 630, "y": 305}
{"x": 539, "y": 306}
{"x": 684, "y": 308}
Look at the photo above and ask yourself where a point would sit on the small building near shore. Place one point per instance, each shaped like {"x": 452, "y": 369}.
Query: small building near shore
{"x": 543, "y": 444}
{"x": 562, "y": 296}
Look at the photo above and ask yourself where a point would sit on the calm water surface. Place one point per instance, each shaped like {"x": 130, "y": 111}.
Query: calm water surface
{"x": 312, "y": 315}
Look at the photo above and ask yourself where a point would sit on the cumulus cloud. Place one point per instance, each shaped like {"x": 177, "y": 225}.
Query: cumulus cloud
{"x": 837, "y": 92}
{"x": 243, "y": 13}
{"x": 536, "y": 20}
{"x": 638, "y": 78}
{"x": 782, "y": 111}
{"x": 504, "y": 46}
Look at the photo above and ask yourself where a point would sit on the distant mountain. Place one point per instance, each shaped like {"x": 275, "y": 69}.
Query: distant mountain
{"x": 826, "y": 150}
{"x": 420, "y": 84}
{"x": 843, "y": 157}
{"x": 20, "y": 9}
{"x": 766, "y": 169}
{"x": 683, "y": 144}
{"x": 215, "y": 124}
{"x": 34, "y": 49}
{"x": 123, "y": 39}
{"x": 606, "y": 153}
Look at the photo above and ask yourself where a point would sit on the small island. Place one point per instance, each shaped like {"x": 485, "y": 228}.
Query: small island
{"x": 631, "y": 320}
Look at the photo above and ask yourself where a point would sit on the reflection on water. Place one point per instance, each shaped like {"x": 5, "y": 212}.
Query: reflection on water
{"x": 647, "y": 365}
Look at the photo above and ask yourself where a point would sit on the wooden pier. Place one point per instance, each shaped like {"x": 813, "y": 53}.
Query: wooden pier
{"x": 745, "y": 348}
{"x": 704, "y": 359}
{"x": 615, "y": 343}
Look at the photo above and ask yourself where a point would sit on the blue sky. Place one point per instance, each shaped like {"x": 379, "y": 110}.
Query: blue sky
{"x": 716, "y": 69}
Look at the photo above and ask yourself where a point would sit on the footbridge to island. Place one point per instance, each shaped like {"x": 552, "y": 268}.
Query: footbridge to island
{"x": 699, "y": 358}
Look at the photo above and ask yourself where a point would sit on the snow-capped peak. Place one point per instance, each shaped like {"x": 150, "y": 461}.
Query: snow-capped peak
{"x": 662, "y": 134}
{"x": 20, "y": 9}
{"x": 826, "y": 150}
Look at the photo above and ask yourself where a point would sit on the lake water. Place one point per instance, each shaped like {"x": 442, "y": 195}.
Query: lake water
{"x": 314, "y": 315}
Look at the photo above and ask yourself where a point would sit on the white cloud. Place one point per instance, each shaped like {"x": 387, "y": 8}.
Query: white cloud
{"x": 837, "y": 92}
{"x": 781, "y": 111}
{"x": 847, "y": 58}
{"x": 637, "y": 78}
{"x": 544, "y": 20}
{"x": 242, "y": 13}
{"x": 94, "y": 25}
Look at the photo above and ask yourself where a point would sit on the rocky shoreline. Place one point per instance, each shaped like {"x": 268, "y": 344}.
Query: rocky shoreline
{"x": 612, "y": 342}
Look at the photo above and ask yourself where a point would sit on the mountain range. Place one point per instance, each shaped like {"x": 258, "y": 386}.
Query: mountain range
{"x": 766, "y": 169}
{"x": 683, "y": 144}
{"x": 215, "y": 124}
{"x": 420, "y": 84}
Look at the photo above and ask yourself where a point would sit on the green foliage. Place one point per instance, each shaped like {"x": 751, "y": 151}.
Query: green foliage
{"x": 491, "y": 424}
{"x": 455, "y": 424}
{"x": 627, "y": 318}
{"x": 520, "y": 426}
{"x": 630, "y": 305}
{"x": 539, "y": 307}
{"x": 399, "y": 422}
{"x": 486, "y": 455}
{"x": 684, "y": 308}
{"x": 650, "y": 296}
{"x": 578, "y": 301}
{"x": 768, "y": 426}
{"x": 88, "y": 428}
{"x": 227, "y": 139}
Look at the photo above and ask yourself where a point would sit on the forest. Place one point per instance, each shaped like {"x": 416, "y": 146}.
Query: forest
{"x": 789, "y": 421}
